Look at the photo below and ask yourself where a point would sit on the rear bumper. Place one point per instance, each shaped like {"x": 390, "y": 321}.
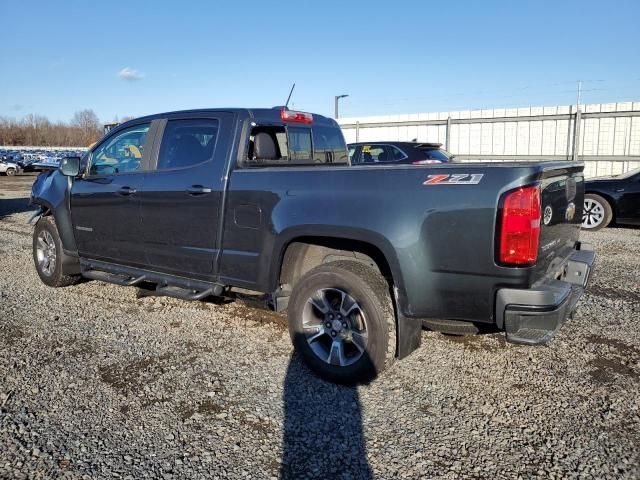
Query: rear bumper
{"x": 533, "y": 316}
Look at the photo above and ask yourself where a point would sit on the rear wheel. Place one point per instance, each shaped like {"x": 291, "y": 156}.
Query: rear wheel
{"x": 342, "y": 323}
{"x": 596, "y": 213}
{"x": 11, "y": 172}
{"x": 47, "y": 255}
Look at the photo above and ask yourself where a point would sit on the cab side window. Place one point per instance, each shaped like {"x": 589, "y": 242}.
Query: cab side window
{"x": 186, "y": 143}
{"x": 279, "y": 145}
{"x": 120, "y": 154}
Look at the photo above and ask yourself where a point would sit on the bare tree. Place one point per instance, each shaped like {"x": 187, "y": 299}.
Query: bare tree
{"x": 87, "y": 121}
{"x": 37, "y": 130}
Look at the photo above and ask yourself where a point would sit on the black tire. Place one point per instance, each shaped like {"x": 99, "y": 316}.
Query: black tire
{"x": 597, "y": 212}
{"x": 451, "y": 327}
{"x": 10, "y": 172}
{"x": 55, "y": 277}
{"x": 371, "y": 292}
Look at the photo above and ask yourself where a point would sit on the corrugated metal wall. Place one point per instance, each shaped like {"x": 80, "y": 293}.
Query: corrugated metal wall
{"x": 608, "y": 135}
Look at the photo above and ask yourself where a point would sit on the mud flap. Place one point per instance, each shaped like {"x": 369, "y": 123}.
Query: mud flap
{"x": 409, "y": 334}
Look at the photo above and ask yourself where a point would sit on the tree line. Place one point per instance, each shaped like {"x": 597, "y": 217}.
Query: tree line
{"x": 38, "y": 131}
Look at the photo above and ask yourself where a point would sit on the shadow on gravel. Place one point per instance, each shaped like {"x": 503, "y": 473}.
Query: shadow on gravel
{"x": 9, "y": 206}
{"x": 323, "y": 435}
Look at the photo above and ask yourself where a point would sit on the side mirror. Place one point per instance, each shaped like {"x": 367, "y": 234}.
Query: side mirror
{"x": 70, "y": 166}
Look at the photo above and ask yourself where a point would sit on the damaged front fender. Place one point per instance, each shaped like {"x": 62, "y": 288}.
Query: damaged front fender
{"x": 51, "y": 195}
{"x": 37, "y": 213}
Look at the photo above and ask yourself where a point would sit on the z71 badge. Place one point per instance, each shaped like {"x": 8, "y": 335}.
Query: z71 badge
{"x": 454, "y": 179}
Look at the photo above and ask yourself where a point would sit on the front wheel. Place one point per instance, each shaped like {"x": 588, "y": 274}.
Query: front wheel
{"x": 342, "y": 323}
{"x": 596, "y": 213}
{"x": 10, "y": 172}
{"x": 47, "y": 255}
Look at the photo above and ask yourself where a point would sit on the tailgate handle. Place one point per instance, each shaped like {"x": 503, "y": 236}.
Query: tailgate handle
{"x": 198, "y": 190}
{"x": 126, "y": 191}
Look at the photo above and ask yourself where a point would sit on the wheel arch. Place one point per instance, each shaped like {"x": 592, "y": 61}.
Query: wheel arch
{"x": 300, "y": 253}
{"x": 51, "y": 192}
{"x": 70, "y": 263}
{"x": 301, "y": 250}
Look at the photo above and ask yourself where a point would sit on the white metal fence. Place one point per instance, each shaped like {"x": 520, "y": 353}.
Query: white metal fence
{"x": 607, "y": 137}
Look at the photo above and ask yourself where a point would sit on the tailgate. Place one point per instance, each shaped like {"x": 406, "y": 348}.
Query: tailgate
{"x": 562, "y": 194}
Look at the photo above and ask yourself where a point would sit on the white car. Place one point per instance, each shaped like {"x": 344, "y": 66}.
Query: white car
{"x": 8, "y": 168}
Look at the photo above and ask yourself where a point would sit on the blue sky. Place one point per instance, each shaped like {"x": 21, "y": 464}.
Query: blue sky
{"x": 391, "y": 57}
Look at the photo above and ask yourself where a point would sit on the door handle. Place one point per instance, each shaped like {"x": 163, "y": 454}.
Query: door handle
{"x": 198, "y": 190}
{"x": 126, "y": 191}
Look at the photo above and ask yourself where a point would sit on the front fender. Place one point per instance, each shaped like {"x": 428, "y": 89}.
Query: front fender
{"x": 51, "y": 191}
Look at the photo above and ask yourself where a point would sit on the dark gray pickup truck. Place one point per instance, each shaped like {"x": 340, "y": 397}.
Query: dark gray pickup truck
{"x": 199, "y": 202}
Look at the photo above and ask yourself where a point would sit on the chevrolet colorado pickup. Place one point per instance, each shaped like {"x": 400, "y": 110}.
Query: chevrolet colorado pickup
{"x": 199, "y": 202}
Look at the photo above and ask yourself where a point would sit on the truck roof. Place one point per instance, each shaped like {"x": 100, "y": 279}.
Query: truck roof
{"x": 262, "y": 114}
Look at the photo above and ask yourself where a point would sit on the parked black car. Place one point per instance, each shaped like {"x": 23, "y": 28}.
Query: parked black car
{"x": 612, "y": 199}
{"x": 415, "y": 153}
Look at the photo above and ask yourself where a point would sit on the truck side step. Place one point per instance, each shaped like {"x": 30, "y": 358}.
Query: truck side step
{"x": 123, "y": 280}
{"x": 165, "y": 284}
{"x": 187, "y": 294}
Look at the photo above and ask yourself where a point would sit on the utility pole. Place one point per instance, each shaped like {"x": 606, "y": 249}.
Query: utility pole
{"x": 338, "y": 97}
{"x": 579, "y": 93}
{"x": 576, "y": 124}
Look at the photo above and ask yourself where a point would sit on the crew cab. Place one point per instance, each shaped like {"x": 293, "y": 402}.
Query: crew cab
{"x": 201, "y": 202}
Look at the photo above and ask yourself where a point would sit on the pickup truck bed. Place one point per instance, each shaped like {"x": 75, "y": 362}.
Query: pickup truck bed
{"x": 492, "y": 243}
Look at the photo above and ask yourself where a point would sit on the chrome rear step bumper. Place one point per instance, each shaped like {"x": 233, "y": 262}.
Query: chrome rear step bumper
{"x": 533, "y": 316}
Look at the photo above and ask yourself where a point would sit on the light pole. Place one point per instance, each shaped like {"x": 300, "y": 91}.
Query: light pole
{"x": 338, "y": 97}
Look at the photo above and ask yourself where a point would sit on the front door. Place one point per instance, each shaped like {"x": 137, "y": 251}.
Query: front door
{"x": 629, "y": 203}
{"x": 105, "y": 206}
{"x": 181, "y": 199}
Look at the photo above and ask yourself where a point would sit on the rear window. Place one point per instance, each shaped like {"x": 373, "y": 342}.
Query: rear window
{"x": 292, "y": 145}
{"x": 434, "y": 154}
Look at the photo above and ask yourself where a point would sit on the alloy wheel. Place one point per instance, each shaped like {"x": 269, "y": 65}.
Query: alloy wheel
{"x": 335, "y": 327}
{"x": 46, "y": 253}
{"x": 592, "y": 214}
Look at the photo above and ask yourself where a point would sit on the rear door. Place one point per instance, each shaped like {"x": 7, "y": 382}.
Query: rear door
{"x": 182, "y": 197}
{"x": 105, "y": 206}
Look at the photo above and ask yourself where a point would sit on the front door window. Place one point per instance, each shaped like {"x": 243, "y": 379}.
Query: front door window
{"x": 120, "y": 154}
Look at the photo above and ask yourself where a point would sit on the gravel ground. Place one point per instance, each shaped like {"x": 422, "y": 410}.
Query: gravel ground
{"x": 101, "y": 381}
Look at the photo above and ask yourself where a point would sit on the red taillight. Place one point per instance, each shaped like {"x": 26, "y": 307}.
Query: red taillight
{"x": 292, "y": 116}
{"x": 520, "y": 227}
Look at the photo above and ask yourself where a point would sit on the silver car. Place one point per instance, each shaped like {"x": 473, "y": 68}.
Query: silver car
{"x": 8, "y": 168}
